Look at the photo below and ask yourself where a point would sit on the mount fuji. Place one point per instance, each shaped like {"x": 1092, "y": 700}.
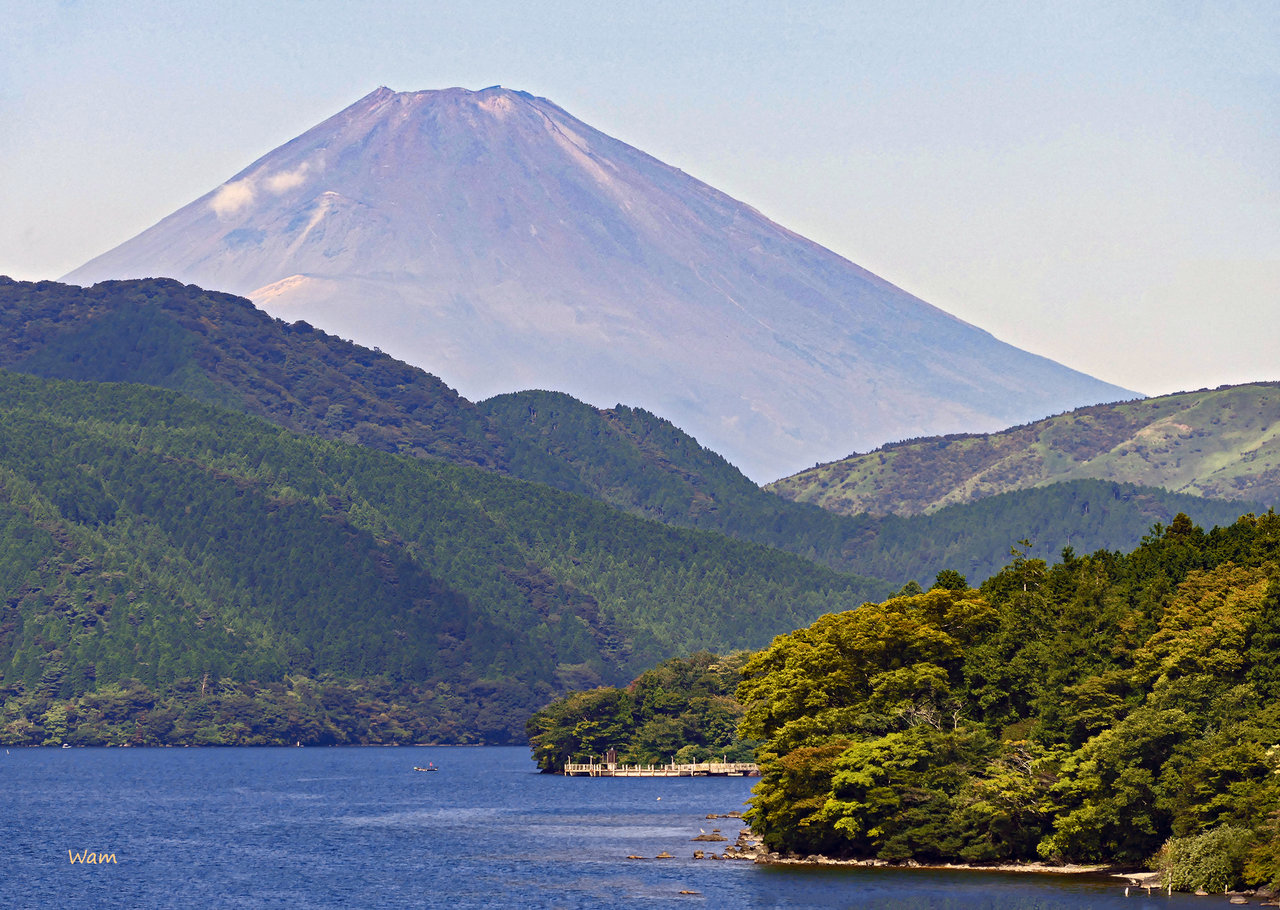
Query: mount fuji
{"x": 500, "y": 243}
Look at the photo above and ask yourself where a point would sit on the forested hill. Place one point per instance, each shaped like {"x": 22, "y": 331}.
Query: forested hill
{"x": 170, "y": 571}
{"x": 1220, "y": 443}
{"x": 975, "y": 538}
{"x": 1108, "y": 709}
{"x": 222, "y": 350}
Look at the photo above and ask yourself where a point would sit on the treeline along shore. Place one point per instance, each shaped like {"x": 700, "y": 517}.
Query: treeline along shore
{"x": 1111, "y": 709}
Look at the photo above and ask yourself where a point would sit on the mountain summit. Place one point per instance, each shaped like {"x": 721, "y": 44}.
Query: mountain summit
{"x": 494, "y": 239}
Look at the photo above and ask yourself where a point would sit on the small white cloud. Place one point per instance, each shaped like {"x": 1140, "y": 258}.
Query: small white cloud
{"x": 284, "y": 181}
{"x": 232, "y": 197}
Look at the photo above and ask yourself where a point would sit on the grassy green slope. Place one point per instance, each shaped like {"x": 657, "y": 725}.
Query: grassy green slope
{"x": 1222, "y": 443}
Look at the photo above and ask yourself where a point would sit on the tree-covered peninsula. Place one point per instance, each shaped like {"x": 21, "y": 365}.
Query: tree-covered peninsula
{"x": 1107, "y": 709}
{"x": 683, "y": 710}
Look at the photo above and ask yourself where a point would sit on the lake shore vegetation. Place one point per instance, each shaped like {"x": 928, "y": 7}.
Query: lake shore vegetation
{"x": 683, "y": 710}
{"x": 1111, "y": 709}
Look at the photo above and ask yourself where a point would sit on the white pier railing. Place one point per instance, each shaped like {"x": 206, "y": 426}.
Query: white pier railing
{"x": 694, "y": 769}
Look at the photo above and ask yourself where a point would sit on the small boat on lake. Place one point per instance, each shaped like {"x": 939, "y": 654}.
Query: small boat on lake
{"x": 430, "y": 767}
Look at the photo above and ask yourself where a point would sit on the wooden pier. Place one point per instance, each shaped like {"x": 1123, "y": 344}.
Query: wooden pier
{"x": 695, "y": 769}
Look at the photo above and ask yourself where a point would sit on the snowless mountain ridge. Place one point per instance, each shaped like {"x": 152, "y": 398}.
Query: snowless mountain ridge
{"x": 497, "y": 241}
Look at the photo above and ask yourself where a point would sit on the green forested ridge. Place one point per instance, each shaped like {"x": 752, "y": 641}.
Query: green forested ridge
{"x": 220, "y": 349}
{"x": 637, "y": 462}
{"x": 624, "y": 456}
{"x": 1103, "y": 709}
{"x": 154, "y": 548}
{"x": 974, "y": 538}
{"x": 683, "y": 710}
{"x": 1220, "y": 443}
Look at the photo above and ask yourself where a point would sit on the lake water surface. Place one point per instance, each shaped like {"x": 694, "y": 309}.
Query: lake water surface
{"x": 352, "y": 827}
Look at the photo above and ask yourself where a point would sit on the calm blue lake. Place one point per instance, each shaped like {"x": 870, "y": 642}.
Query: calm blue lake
{"x": 359, "y": 828}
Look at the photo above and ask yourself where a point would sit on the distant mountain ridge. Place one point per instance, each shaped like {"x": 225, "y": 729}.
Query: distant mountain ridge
{"x": 1219, "y": 443}
{"x": 497, "y": 241}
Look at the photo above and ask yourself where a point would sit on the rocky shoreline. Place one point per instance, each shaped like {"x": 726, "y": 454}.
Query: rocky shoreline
{"x": 750, "y": 847}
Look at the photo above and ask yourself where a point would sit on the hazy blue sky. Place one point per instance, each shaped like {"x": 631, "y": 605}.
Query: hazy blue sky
{"x": 1095, "y": 182}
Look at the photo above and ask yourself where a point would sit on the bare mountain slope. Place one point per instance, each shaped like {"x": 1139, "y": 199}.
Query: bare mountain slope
{"x": 497, "y": 241}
